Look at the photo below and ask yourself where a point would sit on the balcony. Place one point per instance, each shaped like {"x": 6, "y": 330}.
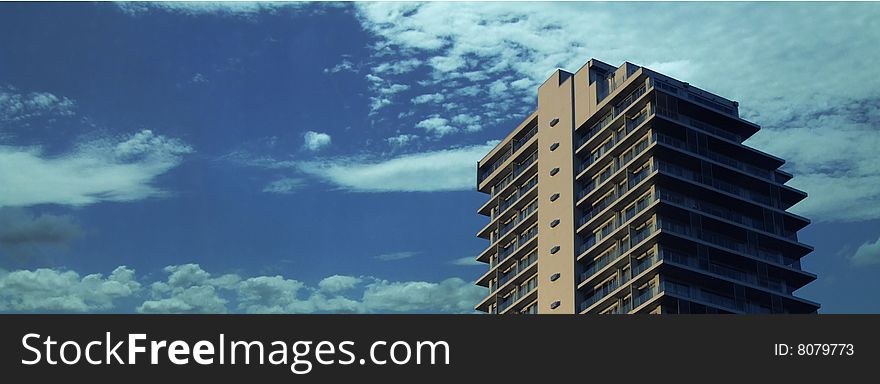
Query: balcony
{"x": 616, "y": 111}
{"x": 718, "y": 157}
{"x": 519, "y": 218}
{"x": 520, "y": 192}
{"x": 617, "y": 138}
{"x": 521, "y": 265}
{"x": 689, "y": 261}
{"x": 619, "y": 250}
{"x": 520, "y": 241}
{"x": 519, "y": 169}
{"x": 519, "y": 293}
{"x": 517, "y": 144}
{"x": 641, "y": 298}
{"x": 718, "y": 211}
{"x": 627, "y": 160}
{"x": 730, "y": 244}
{"x": 687, "y": 174}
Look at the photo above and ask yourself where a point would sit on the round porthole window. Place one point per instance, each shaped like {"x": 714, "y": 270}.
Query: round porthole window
{"x": 554, "y": 146}
{"x": 555, "y": 304}
{"x": 554, "y": 196}
{"x": 554, "y": 249}
{"x": 554, "y": 277}
{"x": 554, "y": 223}
{"x": 554, "y": 122}
{"x": 554, "y": 171}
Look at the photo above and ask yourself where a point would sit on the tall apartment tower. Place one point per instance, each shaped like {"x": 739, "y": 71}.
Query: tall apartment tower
{"x": 628, "y": 191}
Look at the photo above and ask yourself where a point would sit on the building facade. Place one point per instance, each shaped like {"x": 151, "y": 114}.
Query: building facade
{"x": 628, "y": 191}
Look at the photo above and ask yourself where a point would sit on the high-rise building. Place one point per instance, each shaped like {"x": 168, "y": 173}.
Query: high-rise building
{"x": 628, "y": 191}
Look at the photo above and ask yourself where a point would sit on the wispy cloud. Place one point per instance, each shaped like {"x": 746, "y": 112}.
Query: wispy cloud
{"x": 867, "y": 254}
{"x": 771, "y": 57}
{"x": 396, "y": 256}
{"x": 196, "y": 8}
{"x": 285, "y": 185}
{"x": 443, "y": 170}
{"x": 345, "y": 65}
{"x": 466, "y": 261}
{"x": 95, "y": 171}
{"x": 428, "y": 98}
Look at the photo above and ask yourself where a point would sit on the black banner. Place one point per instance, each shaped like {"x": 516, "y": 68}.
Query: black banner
{"x": 396, "y": 348}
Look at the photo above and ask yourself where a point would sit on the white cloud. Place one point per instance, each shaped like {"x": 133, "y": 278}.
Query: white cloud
{"x": 436, "y": 126}
{"x": 867, "y": 254}
{"x": 345, "y": 65}
{"x": 338, "y": 283}
{"x": 285, "y": 185}
{"x": 377, "y": 103}
{"x": 398, "y": 67}
{"x": 196, "y": 8}
{"x": 95, "y": 171}
{"x": 443, "y": 170}
{"x": 428, "y": 98}
{"x": 524, "y": 83}
{"x": 787, "y": 64}
{"x": 471, "y": 123}
{"x": 44, "y": 290}
{"x": 314, "y": 141}
{"x": 16, "y": 106}
{"x": 833, "y": 155}
{"x": 393, "y": 89}
{"x": 497, "y": 88}
{"x": 466, "y": 261}
{"x": 396, "y": 255}
{"x": 190, "y": 289}
{"x": 450, "y": 295}
{"x": 401, "y": 140}
{"x": 198, "y": 78}
{"x": 384, "y": 90}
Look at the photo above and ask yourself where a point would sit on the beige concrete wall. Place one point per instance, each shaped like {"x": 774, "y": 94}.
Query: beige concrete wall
{"x": 555, "y": 102}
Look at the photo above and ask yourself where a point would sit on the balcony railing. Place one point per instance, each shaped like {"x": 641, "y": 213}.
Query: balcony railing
{"x": 729, "y": 243}
{"x": 690, "y": 261}
{"x": 718, "y": 157}
{"x": 693, "y": 122}
{"x": 515, "y": 146}
{"x": 619, "y": 250}
{"x": 626, "y": 216}
{"x": 520, "y": 241}
{"x": 520, "y": 168}
{"x": 712, "y": 104}
{"x": 519, "y": 218}
{"x": 616, "y": 111}
{"x": 688, "y": 174}
{"x": 618, "y": 136}
{"x": 516, "y": 196}
{"x": 715, "y": 299}
{"x": 520, "y": 293}
{"x": 521, "y": 265}
{"x": 716, "y": 210}
{"x": 625, "y": 162}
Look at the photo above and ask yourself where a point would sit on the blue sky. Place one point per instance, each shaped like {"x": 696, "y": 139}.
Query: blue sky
{"x": 243, "y": 157}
